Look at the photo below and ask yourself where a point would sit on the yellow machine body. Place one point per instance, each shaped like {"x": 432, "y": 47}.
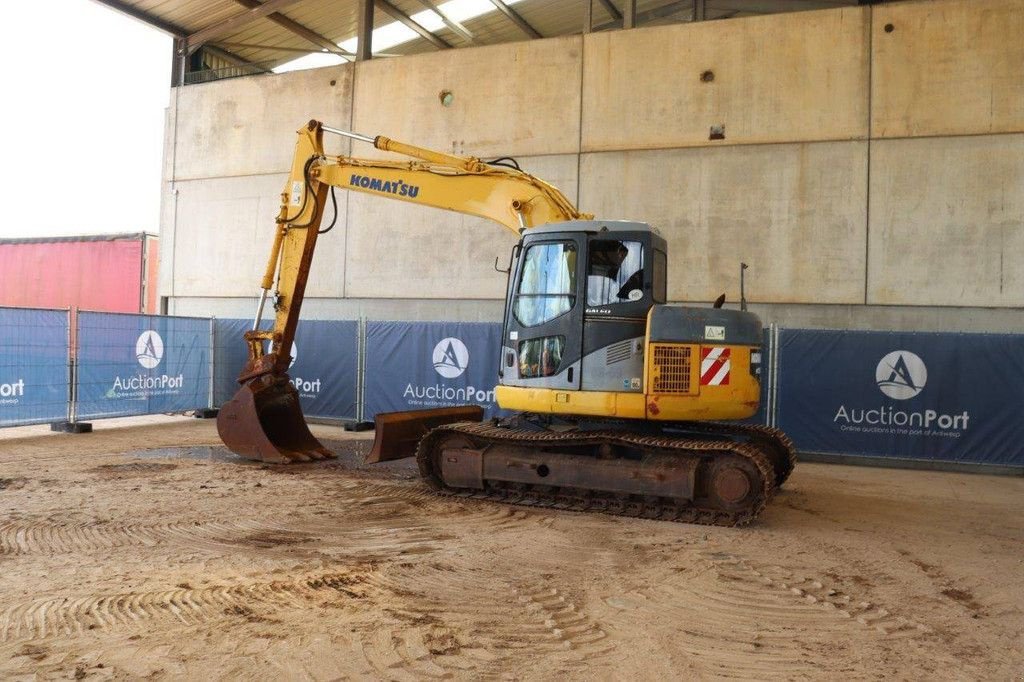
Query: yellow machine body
{"x": 739, "y": 399}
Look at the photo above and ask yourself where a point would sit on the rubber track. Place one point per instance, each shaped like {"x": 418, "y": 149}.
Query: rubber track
{"x": 762, "y": 435}
{"x": 593, "y": 500}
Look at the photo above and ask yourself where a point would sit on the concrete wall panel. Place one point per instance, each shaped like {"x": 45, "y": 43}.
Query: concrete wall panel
{"x": 783, "y": 78}
{"x": 948, "y": 67}
{"x": 947, "y": 221}
{"x": 401, "y": 250}
{"x": 517, "y": 99}
{"x": 794, "y": 213}
{"x": 246, "y": 126}
{"x": 224, "y": 231}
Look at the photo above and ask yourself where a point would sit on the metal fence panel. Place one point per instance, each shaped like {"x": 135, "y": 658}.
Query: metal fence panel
{"x": 140, "y": 364}
{"x": 922, "y": 396}
{"x": 324, "y": 368}
{"x": 34, "y": 382}
{"x": 422, "y": 365}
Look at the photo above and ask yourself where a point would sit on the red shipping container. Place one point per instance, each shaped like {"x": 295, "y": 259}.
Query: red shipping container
{"x": 106, "y": 273}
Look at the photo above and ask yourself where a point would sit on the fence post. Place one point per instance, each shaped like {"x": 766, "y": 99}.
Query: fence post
{"x": 73, "y": 313}
{"x": 773, "y": 386}
{"x": 213, "y": 348}
{"x": 71, "y": 372}
{"x": 72, "y": 425}
{"x": 360, "y": 368}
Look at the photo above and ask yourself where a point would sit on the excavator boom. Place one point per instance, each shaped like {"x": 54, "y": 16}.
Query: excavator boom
{"x": 264, "y": 420}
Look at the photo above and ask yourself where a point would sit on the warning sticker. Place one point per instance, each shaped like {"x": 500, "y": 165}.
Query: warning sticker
{"x": 714, "y": 366}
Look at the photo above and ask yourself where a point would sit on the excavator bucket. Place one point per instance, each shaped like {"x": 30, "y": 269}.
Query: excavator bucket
{"x": 398, "y": 433}
{"x": 264, "y": 422}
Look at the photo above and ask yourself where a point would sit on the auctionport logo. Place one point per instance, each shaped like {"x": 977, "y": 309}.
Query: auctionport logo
{"x": 11, "y": 393}
{"x": 307, "y": 388}
{"x": 149, "y": 349}
{"x": 901, "y": 375}
{"x": 451, "y": 357}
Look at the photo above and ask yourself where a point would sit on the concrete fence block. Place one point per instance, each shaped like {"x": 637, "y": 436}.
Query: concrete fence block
{"x": 781, "y": 78}
{"x": 947, "y": 221}
{"x": 794, "y": 213}
{"x": 947, "y": 67}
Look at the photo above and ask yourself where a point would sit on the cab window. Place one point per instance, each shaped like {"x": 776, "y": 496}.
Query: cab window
{"x": 540, "y": 357}
{"x": 547, "y": 287}
{"x": 615, "y": 273}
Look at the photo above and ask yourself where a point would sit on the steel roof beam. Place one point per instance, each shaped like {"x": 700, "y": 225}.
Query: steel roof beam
{"x": 300, "y": 30}
{"x": 652, "y": 14}
{"x": 404, "y": 18}
{"x": 257, "y": 46}
{"x": 612, "y": 10}
{"x": 235, "y": 22}
{"x": 364, "y": 31}
{"x": 516, "y": 19}
{"x": 448, "y": 21}
{"x": 629, "y": 14}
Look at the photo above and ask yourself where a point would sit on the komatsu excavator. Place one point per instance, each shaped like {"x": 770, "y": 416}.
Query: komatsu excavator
{"x": 619, "y": 401}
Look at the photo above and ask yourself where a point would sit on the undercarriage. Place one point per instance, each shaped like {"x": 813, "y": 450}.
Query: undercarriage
{"x": 692, "y": 472}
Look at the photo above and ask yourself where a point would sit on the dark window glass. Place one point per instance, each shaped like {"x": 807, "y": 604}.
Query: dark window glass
{"x": 540, "y": 357}
{"x": 615, "y": 273}
{"x": 548, "y": 286}
{"x": 660, "y": 276}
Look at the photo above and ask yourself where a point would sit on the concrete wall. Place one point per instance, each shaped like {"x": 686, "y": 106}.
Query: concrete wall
{"x": 871, "y": 171}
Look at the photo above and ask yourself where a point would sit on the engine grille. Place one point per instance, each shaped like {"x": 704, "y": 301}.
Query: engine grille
{"x": 671, "y": 369}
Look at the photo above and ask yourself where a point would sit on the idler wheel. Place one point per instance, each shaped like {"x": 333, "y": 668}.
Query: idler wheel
{"x": 433, "y": 471}
{"x": 733, "y": 482}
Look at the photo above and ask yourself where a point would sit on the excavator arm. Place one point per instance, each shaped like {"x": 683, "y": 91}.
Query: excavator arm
{"x": 264, "y": 420}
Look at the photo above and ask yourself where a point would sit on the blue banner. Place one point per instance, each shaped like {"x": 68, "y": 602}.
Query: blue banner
{"x": 324, "y": 369}
{"x": 33, "y": 366}
{"x": 923, "y": 396}
{"x": 423, "y": 365}
{"x": 141, "y": 364}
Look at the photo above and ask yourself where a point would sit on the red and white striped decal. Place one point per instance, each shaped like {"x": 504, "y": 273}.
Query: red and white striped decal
{"x": 714, "y": 366}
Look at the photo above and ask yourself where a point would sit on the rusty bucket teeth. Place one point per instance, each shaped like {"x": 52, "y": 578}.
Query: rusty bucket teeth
{"x": 264, "y": 422}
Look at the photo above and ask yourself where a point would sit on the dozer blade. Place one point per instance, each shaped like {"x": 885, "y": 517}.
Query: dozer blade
{"x": 398, "y": 433}
{"x": 265, "y": 423}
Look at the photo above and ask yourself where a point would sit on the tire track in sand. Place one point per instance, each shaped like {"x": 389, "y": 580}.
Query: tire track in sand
{"x": 52, "y": 537}
{"x": 69, "y": 616}
{"x": 447, "y": 620}
{"x": 386, "y": 537}
{"x": 387, "y": 519}
{"x": 814, "y": 591}
{"x": 736, "y": 621}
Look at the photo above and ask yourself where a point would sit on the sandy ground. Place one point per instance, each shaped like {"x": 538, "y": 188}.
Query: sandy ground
{"x": 119, "y": 559}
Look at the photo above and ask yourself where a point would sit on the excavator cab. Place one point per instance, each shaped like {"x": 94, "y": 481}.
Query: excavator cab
{"x": 587, "y": 333}
{"x": 577, "y": 304}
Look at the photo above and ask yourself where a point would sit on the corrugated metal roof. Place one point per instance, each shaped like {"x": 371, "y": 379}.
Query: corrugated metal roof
{"x": 266, "y": 42}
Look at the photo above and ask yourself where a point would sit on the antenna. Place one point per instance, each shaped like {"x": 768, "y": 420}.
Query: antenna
{"x": 743, "y": 296}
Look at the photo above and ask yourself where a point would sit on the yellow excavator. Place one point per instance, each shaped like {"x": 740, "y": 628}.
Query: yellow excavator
{"x": 620, "y": 402}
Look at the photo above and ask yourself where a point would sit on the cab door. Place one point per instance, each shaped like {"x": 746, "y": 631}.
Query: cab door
{"x": 620, "y": 291}
{"x": 542, "y": 339}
